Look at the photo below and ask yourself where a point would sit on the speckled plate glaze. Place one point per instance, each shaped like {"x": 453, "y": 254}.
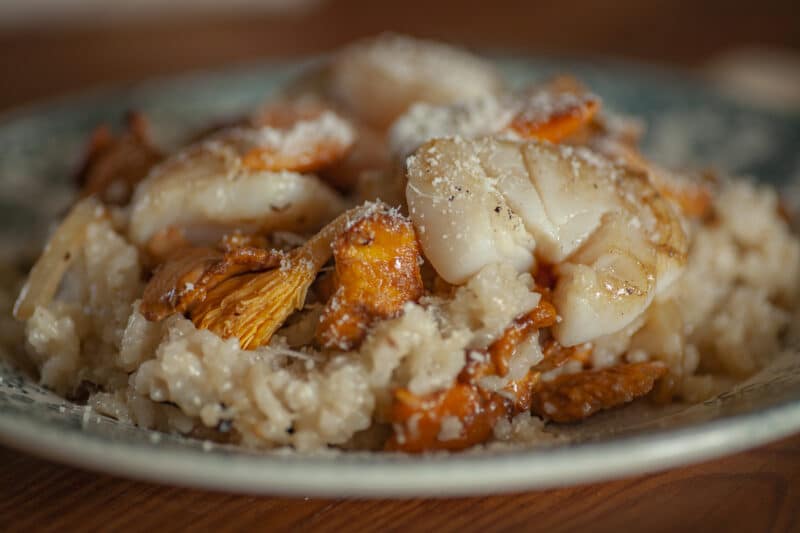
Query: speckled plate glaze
{"x": 688, "y": 124}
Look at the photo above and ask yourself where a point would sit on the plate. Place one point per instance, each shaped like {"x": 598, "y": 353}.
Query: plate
{"x": 688, "y": 124}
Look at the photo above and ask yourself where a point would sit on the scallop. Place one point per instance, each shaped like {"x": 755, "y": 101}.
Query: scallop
{"x": 462, "y": 220}
{"x": 552, "y": 110}
{"x": 378, "y": 79}
{"x": 615, "y": 242}
{"x": 222, "y": 183}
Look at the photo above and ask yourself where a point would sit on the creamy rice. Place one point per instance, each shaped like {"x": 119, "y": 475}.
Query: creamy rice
{"x": 95, "y": 333}
{"x": 210, "y": 382}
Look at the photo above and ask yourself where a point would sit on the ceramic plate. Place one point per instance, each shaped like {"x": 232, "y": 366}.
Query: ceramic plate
{"x": 688, "y": 124}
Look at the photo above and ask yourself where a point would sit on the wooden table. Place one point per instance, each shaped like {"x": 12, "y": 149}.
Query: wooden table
{"x": 753, "y": 491}
{"x": 38, "y": 62}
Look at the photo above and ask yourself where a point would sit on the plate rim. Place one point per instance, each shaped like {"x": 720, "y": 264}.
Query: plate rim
{"x": 385, "y": 476}
{"x": 455, "y": 475}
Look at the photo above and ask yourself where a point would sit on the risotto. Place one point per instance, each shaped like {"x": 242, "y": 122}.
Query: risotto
{"x": 398, "y": 252}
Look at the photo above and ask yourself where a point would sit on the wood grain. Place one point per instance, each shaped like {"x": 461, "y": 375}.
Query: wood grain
{"x": 46, "y": 60}
{"x": 756, "y": 491}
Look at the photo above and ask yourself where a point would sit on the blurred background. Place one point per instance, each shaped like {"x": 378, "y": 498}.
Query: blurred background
{"x": 50, "y": 47}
